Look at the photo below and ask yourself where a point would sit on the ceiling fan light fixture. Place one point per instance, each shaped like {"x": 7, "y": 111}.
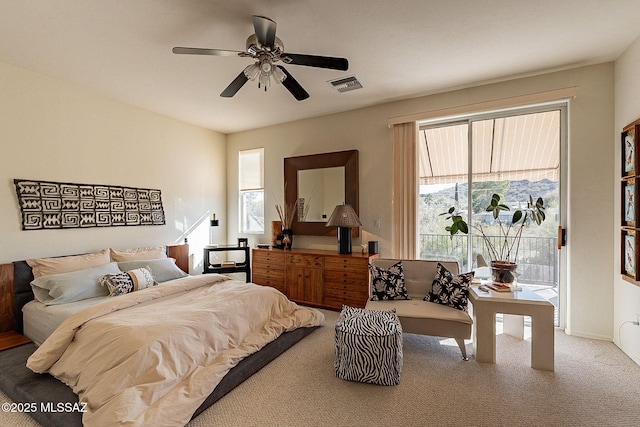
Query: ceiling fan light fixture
{"x": 263, "y": 81}
{"x": 278, "y": 75}
{"x": 263, "y": 70}
{"x": 252, "y": 71}
{"x": 266, "y": 66}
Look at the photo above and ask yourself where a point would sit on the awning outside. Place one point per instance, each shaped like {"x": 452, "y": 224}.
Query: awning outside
{"x": 511, "y": 148}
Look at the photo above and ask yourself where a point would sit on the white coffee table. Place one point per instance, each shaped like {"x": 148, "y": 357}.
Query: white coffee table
{"x": 514, "y": 305}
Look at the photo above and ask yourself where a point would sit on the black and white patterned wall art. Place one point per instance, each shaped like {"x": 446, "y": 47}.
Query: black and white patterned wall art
{"x": 55, "y": 205}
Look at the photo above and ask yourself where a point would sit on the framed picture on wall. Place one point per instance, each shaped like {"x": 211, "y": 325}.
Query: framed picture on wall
{"x": 630, "y": 154}
{"x": 630, "y": 254}
{"x": 629, "y": 199}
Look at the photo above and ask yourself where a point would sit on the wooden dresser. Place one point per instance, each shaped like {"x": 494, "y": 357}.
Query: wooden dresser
{"x": 314, "y": 277}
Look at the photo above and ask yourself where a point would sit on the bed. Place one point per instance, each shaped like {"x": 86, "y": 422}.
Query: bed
{"x": 214, "y": 375}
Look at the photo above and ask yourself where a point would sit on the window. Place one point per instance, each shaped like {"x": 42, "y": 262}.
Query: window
{"x": 251, "y": 185}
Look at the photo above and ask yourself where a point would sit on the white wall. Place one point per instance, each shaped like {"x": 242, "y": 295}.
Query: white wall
{"x": 54, "y": 131}
{"x": 627, "y": 109}
{"x": 591, "y": 159}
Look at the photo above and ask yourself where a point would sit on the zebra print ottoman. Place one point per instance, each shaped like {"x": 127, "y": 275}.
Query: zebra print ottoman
{"x": 368, "y": 346}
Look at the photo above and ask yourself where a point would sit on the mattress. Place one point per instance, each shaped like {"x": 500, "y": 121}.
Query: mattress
{"x": 41, "y": 320}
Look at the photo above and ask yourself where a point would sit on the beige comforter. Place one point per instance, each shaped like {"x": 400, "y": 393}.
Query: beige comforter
{"x": 152, "y": 357}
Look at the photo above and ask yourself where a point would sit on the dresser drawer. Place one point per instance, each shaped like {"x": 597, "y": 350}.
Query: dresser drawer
{"x": 269, "y": 274}
{"x": 346, "y": 264}
{"x": 267, "y": 256}
{"x": 299, "y": 260}
{"x": 268, "y": 266}
{"x": 346, "y": 286}
{"x": 346, "y": 276}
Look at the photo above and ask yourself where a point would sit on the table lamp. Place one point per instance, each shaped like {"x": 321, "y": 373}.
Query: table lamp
{"x": 214, "y": 223}
{"x": 344, "y": 217}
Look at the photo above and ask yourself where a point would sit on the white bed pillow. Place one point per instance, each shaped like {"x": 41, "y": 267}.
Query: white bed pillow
{"x": 72, "y": 286}
{"x": 162, "y": 269}
{"x": 47, "y": 266}
{"x": 121, "y": 255}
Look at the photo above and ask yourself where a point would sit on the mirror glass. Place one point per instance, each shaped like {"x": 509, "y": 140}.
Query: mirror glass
{"x": 319, "y": 191}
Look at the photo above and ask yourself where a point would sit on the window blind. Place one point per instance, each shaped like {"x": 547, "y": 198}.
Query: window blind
{"x": 251, "y": 169}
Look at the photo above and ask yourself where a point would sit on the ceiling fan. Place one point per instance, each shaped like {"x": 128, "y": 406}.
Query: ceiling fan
{"x": 267, "y": 50}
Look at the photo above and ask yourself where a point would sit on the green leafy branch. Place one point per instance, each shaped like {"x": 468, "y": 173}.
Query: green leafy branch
{"x": 502, "y": 250}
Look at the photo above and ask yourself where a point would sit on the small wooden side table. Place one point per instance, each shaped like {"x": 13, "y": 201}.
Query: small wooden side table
{"x": 12, "y": 339}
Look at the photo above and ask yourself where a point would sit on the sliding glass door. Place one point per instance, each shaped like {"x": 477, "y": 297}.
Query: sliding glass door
{"x": 514, "y": 154}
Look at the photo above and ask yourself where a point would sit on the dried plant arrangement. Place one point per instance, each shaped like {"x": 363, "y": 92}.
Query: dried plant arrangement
{"x": 286, "y": 213}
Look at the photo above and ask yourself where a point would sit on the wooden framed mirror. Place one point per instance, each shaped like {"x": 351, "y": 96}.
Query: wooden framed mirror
{"x": 317, "y": 181}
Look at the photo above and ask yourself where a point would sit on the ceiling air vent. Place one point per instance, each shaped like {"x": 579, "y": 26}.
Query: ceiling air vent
{"x": 346, "y": 84}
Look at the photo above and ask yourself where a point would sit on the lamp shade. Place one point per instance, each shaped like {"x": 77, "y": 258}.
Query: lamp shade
{"x": 344, "y": 216}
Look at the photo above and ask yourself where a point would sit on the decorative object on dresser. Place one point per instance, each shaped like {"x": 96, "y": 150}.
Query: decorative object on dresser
{"x": 315, "y": 277}
{"x": 286, "y": 213}
{"x": 276, "y": 237}
{"x": 345, "y": 218}
{"x": 287, "y": 238}
{"x": 56, "y": 205}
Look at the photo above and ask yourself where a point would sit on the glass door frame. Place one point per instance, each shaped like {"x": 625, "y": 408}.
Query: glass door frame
{"x": 563, "y": 107}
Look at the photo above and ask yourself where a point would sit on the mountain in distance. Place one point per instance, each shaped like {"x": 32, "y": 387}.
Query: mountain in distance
{"x": 515, "y": 192}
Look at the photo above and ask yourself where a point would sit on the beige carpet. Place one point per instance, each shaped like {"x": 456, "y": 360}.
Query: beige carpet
{"x": 594, "y": 384}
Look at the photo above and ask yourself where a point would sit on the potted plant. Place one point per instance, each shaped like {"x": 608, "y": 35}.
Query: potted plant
{"x": 503, "y": 251}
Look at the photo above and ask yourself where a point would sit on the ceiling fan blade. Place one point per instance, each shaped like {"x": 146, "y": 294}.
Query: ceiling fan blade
{"x": 199, "y": 51}
{"x": 265, "y": 29}
{"x": 341, "y": 64}
{"x": 293, "y": 86}
{"x": 235, "y": 85}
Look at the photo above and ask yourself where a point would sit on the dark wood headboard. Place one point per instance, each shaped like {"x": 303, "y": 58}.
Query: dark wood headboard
{"x": 15, "y": 288}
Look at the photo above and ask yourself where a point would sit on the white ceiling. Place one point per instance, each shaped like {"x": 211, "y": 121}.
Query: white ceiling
{"x": 397, "y": 49}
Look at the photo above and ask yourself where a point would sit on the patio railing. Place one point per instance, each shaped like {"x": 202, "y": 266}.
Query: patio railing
{"x": 538, "y": 260}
